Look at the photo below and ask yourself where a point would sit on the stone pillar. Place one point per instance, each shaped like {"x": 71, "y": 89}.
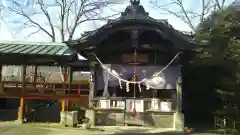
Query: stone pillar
{"x": 91, "y": 84}
{"x": 90, "y": 113}
{"x": 178, "y": 122}
{"x": 179, "y": 94}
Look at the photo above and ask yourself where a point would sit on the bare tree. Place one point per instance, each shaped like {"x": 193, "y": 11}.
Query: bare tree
{"x": 186, "y": 14}
{"x": 41, "y": 15}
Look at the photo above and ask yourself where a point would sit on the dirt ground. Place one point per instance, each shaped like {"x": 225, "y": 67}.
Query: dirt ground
{"x": 10, "y": 128}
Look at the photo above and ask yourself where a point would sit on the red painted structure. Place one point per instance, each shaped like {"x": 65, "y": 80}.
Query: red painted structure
{"x": 36, "y": 55}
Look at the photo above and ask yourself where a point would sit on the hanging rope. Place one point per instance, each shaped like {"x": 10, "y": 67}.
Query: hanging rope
{"x": 114, "y": 73}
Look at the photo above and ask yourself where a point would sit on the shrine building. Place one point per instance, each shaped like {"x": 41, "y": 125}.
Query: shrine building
{"x": 136, "y": 70}
{"x": 135, "y": 64}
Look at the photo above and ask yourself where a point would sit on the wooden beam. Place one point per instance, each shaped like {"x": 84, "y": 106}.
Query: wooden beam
{"x": 47, "y": 97}
{"x": 19, "y": 82}
{"x": 41, "y": 88}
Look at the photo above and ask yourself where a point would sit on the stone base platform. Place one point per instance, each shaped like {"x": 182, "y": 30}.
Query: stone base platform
{"x": 149, "y": 118}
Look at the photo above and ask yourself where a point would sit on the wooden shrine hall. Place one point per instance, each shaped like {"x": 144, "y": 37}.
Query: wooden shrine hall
{"x": 44, "y": 71}
{"x": 136, "y": 65}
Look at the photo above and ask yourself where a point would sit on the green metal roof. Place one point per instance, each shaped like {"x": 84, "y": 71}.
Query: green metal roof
{"x": 37, "y": 48}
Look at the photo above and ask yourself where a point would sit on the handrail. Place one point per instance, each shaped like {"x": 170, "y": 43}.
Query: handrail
{"x": 48, "y": 97}
{"x": 47, "y": 83}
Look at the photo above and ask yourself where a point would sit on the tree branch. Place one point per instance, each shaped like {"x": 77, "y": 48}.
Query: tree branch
{"x": 45, "y": 12}
{"x": 23, "y": 14}
{"x": 185, "y": 15}
{"x": 88, "y": 10}
{"x": 62, "y": 6}
{"x": 33, "y": 33}
{"x": 72, "y": 13}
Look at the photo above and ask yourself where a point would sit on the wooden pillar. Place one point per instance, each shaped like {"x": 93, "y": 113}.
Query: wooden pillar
{"x": 63, "y": 105}
{"x": 69, "y": 82}
{"x": 23, "y": 78}
{"x": 1, "y": 83}
{"x": 35, "y": 75}
{"x": 64, "y": 87}
{"x": 179, "y": 95}
{"x": 0, "y": 72}
{"x": 70, "y": 76}
{"x": 21, "y": 107}
{"x": 79, "y": 90}
{"x": 92, "y": 84}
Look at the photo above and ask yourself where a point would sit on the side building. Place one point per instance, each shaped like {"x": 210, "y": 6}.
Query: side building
{"x": 31, "y": 71}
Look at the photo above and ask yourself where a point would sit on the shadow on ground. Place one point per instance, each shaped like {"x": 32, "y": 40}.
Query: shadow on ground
{"x": 165, "y": 133}
{"x": 162, "y": 133}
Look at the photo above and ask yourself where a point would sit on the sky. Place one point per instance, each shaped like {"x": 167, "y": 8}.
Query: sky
{"x": 7, "y": 30}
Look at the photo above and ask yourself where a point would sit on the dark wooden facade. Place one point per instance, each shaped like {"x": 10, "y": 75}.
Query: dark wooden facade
{"x": 156, "y": 43}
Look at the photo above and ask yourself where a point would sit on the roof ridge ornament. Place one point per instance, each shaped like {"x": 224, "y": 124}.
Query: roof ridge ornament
{"x": 135, "y": 2}
{"x": 135, "y": 10}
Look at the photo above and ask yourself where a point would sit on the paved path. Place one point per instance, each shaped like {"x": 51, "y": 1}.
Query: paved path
{"x": 110, "y": 131}
{"x": 11, "y": 128}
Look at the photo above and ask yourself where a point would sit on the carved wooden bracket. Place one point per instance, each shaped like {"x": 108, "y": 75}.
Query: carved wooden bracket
{"x": 134, "y": 36}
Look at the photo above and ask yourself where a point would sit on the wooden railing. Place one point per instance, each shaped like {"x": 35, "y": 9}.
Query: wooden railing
{"x": 37, "y": 90}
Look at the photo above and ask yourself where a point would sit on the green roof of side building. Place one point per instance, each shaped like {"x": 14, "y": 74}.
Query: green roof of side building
{"x": 35, "y": 48}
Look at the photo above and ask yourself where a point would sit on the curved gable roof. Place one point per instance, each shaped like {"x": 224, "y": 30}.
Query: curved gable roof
{"x": 134, "y": 14}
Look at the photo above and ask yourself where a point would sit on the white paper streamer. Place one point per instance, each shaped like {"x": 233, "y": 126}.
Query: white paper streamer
{"x": 139, "y": 87}
{"x": 106, "y": 78}
{"x": 156, "y": 78}
{"x": 127, "y": 87}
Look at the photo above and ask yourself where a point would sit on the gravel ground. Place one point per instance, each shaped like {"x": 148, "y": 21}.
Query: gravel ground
{"x": 11, "y": 128}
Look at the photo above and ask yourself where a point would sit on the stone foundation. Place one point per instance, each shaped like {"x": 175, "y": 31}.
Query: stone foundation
{"x": 117, "y": 117}
{"x": 90, "y": 114}
{"x": 69, "y": 118}
{"x": 159, "y": 119}
{"x": 110, "y": 117}
{"x": 178, "y": 123}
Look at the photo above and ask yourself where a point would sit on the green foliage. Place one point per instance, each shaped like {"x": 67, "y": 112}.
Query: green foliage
{"x": 219, "y": 37}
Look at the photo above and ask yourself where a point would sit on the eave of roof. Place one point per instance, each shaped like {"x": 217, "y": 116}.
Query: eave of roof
{"x": 35, "y": 48}
{"x": 133, "y": 13}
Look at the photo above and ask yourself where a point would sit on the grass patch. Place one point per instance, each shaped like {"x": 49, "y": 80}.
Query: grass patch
{"x": 24, "y": 129}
